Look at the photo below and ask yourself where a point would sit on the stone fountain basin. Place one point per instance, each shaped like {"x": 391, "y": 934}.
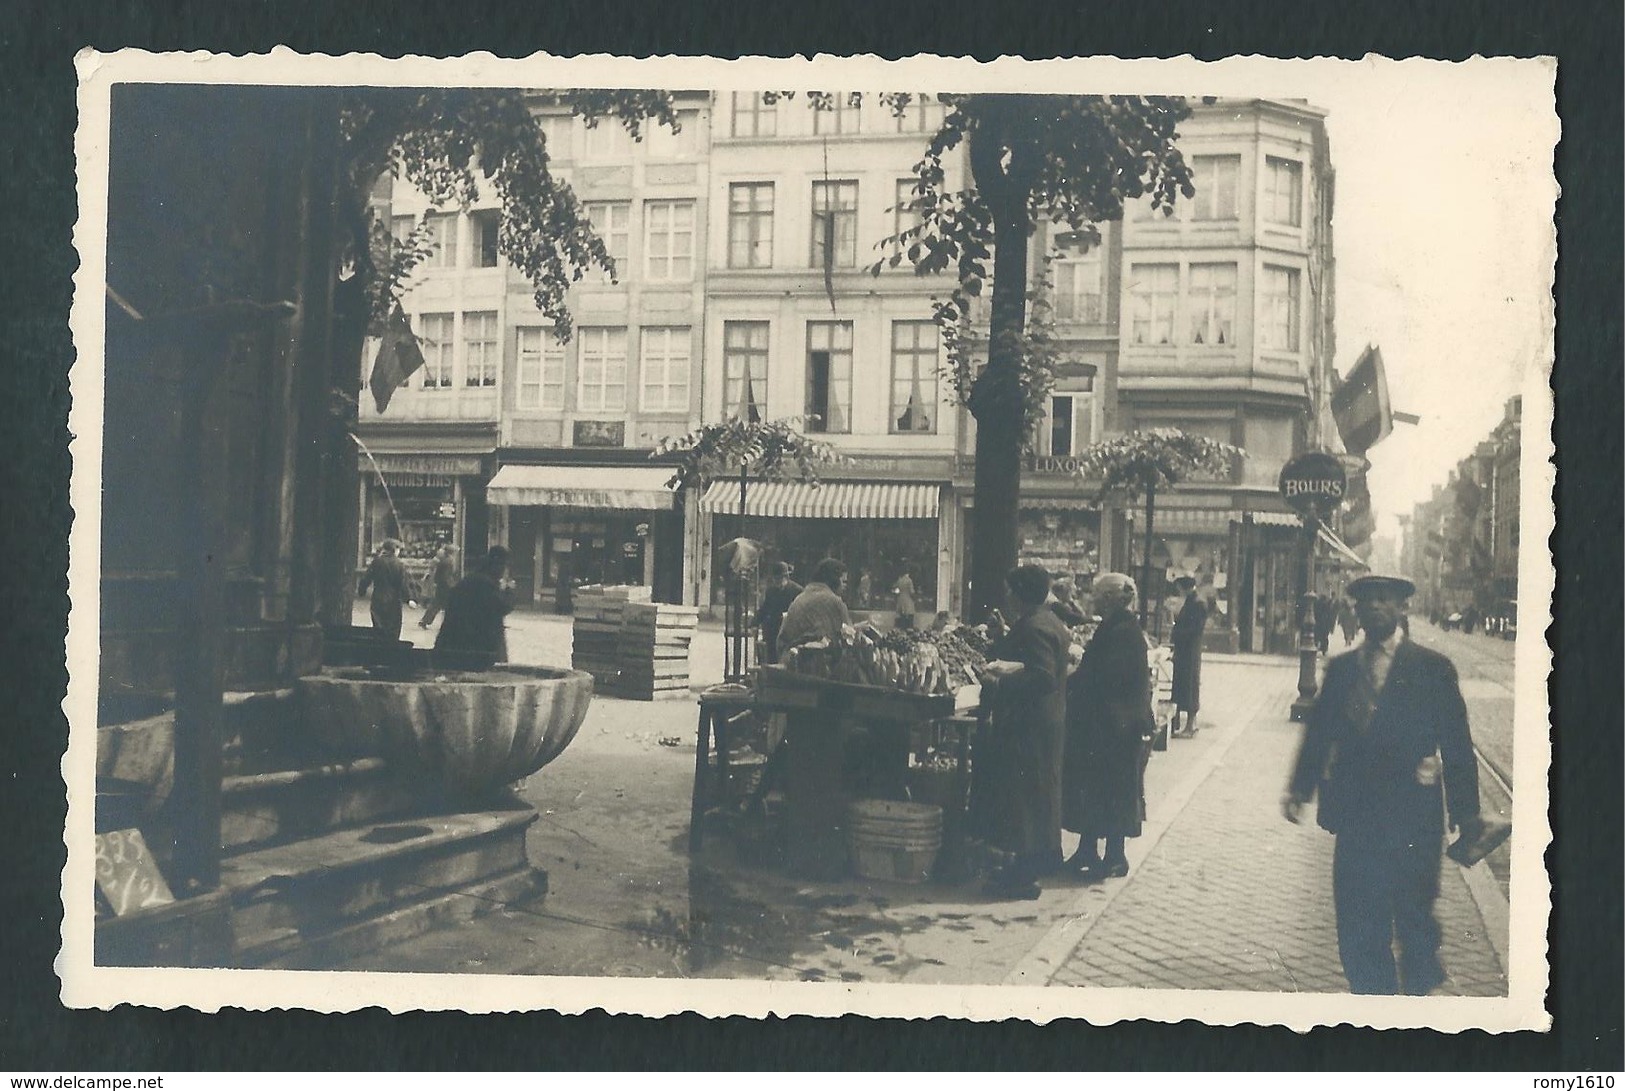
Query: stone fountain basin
{"x": 466, "y": 732}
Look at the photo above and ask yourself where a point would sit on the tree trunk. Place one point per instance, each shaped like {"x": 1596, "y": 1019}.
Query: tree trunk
{"x": 997, "y": 401}
{"x": 1145, "y": 564}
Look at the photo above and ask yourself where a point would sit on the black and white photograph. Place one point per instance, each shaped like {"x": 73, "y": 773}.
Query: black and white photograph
{"x": 1066, "y": 540}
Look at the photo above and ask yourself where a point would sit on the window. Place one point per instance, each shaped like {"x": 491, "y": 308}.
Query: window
{"x": 829, "y": 376}
{"x": 752, "y": 116}
{"x": 744, "y": 370}
{"x": 480, "y": 348}
{"x": 668, "y": 240}
{"x": 1080, "y": 291}
{"x": 601, "y": 370}
{"x": 1212, "y": 306}
{"x": 438, "y": 349}
{"x": 1070, "y": 425}
{"x": 443, "y": 238}
{"x": 541, "y": 369}
{"x": 664, "y": 360}
{"x": 608, "y": 140}
{"x": 906, "y": 207}
{"x": 1215, "y": 179}
{"x": 1278, "y": 327}
{"x": 558, "y": 134}
{"x": 611, "y": 220}
{"x": 665, "y": 144}
{"x": 400, "y": 227}
{"x": 834, "y": 224}
{"x": 1283, "y": 191}
{"x": 923, "y": 115}
{"x": 914, "y": 376}
{"x": 483, "y": 227}
{"x": 843, "y": 116}
{"x": 1153, "y": 291}
{"x": 750, "y": 225}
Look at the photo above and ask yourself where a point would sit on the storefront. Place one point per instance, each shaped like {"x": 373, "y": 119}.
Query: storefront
{"x": 879, "y": 530}
{"x": 424, "y": 501}
{"x": 567, "y": 526}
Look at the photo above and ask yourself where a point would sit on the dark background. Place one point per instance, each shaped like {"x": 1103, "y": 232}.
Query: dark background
{"x": 37, "y": 122}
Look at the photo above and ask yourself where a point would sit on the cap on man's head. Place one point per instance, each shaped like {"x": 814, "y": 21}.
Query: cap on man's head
{"x": 1186, "y": 581}
{"x": 1375, "y": 584}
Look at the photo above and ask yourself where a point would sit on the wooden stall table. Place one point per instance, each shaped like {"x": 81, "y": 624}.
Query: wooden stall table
{"x": 719, "y": 706}
{"x": 820, "y": 717}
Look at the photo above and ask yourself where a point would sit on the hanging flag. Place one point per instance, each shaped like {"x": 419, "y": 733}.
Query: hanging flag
{"x": 1360, "y": 404}
{"x": 1359, "y": 524}
{"x": 398, "y": 357}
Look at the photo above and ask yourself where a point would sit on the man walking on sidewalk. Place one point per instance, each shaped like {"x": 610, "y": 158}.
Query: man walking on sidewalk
{"x": 1386, "y": 745}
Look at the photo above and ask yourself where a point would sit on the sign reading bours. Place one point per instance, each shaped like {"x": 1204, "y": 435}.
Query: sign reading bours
{"x": 1314, "y": 483}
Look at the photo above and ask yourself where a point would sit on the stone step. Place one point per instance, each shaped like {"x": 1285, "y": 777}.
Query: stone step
{"x": 261, "y": 809}
{"x": 324, "y": 889}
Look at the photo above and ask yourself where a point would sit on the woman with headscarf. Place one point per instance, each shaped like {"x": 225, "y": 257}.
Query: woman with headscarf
{"x": 1108, "y": 707}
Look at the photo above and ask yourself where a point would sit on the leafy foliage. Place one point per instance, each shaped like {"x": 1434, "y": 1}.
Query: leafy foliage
{"x": 772, "y": 450}
{"x": 447, "y": 142}
{"x": 1148, "y": 461}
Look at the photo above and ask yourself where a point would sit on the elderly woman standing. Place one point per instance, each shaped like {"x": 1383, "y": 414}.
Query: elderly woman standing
{"x": 1018, "y": 760}
{"x": 1108, "y": 708}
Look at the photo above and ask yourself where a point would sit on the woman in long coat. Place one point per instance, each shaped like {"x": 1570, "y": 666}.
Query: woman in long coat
{"x": 1108, "y": 715}
{"x": 1018, "y": 756}
{"x": 1187, "y": 641}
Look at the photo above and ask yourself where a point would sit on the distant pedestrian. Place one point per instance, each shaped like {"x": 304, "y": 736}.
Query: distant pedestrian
{"x": 1469, "y": 619}
{"x": 1017, "y": 790}
{"x": 473, "y": 636}
{"x": 390, "y": 586}
{"x": 781, "y": 591}
{"x": 1189, "y": 626}
{"x": 1387, "y": 749}
{"x": 1325, "y": 619}
{"x": 1348, "y": 621}
{"x": 818, "y": 612}
{"x": 905, "y": 600}
{"x": 1063, "y": 602}
{"x": 1108, "y": 718}
{"x": 444, "y": 577}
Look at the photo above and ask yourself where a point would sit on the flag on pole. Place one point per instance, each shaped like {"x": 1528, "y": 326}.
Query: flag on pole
{"x": 398, "y": 357}
{"x": 1360, "y": 404}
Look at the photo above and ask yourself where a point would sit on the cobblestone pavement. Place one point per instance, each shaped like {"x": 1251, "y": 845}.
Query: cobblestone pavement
{"x": 1234, "y": 897}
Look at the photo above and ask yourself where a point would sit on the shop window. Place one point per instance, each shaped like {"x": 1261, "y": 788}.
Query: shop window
{"x": 1212, "y": 304}
{"x": 1153, "y": 294}
{"x": 744, "y": 370}
{"x": 668, "y": 240}
{"x": 1278, "y": 326}
{"x": 601, "y": 368}
{"x": 435, "y": 338}
{"x": 1283, "y": 191}
{"x": 541, "y": 369}
{"x": 752, "y": 116}
{"x": 914, "y": 363}
{"x": 750, "y": 225}
{"x": 829, "y": 376}
{"x": 1080, "y": 285}
{"x": 1215, "y": 179}
{"x": 664, "y": 367}
{"x": 484, "y": 227}
{"x": 1069, "y": 426}
{"x": 442, "y": 238}
{"x": 611, "y": 221}
{"x": 834, "y": 225}
{"x": 845, "y": 115}
{"x": 480, "y": 348}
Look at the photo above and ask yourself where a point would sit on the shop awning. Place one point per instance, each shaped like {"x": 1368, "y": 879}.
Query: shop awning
{"x": 830, "y": 500}
{"x": 1270, "y": 519}
{"x": 1183, "y": 520}
{"x": 626, "y": 488}
{"x": 1341, "y": 548}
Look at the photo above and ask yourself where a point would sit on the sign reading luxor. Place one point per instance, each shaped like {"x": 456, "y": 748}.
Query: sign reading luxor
{"x": 1314, "y": 484}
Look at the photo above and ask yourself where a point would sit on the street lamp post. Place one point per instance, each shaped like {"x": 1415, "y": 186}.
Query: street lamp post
{"x": 1313, "y": 484}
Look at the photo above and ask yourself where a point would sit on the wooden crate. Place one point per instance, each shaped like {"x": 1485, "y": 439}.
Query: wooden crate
{"x": 781, "y": 690}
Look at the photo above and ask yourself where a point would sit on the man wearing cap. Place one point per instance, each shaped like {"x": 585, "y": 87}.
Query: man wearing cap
{"x": 386, "y": 578}
{"x": 1387, "y": 746}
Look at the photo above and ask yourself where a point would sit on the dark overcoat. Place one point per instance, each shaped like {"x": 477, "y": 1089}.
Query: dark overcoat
{"x": 1384, "y": 766}
{"x": 1108, "y": 717}
{"x": 387, "y": 578}
{"x": 1187, "y": 641}
{"x": 1017, "y": 766}
{"x": 474, "y": 635}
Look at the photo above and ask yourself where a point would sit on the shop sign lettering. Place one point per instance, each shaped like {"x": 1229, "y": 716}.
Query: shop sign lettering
{"x": 1314, "y": 483}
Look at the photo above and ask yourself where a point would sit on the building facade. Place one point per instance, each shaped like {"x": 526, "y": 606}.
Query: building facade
{"x": 744, "y": 248}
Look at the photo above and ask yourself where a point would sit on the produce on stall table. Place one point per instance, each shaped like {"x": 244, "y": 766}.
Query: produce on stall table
{"x": 911, "y": 660}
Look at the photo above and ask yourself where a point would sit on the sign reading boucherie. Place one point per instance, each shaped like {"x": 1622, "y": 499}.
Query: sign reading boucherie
{"x": 1314, "y": 484}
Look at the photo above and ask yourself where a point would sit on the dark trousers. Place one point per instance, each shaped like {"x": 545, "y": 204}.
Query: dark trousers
{"x": 1385, "y": 890}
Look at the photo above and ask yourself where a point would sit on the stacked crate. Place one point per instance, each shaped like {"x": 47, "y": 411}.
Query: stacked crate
{"x": 632, "y": 647}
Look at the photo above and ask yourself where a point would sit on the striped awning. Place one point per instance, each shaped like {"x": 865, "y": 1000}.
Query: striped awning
{"x": 1185, "y": 520}
{"x": 1270, "y": 519}
{"x": 829, "y": 500}
{"x": 1340, "y": 549}
{"x": 621, "y": 488}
